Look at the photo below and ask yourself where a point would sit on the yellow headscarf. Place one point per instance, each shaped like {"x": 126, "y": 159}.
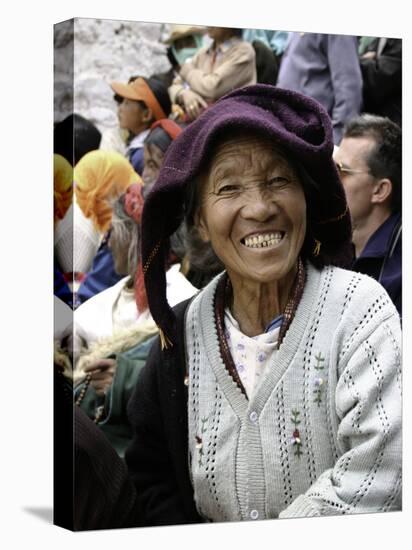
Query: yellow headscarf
{"x": 63, "y": 186}
{"x": 100, "y": 177}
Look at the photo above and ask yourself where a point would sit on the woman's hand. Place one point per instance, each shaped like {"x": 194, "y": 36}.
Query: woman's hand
{"x": 102, "y": 373}
{"x": 192, "y": 102}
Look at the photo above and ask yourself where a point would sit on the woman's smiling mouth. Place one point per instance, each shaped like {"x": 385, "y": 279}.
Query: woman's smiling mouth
{"x": 263, "y": 240}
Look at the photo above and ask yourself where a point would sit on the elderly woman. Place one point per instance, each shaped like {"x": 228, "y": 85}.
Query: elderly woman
{"x": 276, "y": 390}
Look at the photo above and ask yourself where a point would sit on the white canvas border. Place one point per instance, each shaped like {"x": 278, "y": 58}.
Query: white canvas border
{"x": 26, "y": 274}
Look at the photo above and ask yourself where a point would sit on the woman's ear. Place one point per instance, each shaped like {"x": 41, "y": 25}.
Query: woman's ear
{"x": 201, "y": 226}
{"x": 382, "y": 191}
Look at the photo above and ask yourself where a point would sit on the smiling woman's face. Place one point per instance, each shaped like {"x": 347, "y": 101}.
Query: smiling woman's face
{"x": 253, "y": 210}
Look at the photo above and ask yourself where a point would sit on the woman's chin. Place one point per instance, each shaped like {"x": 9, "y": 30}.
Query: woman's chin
{"x": 255, "y": 274}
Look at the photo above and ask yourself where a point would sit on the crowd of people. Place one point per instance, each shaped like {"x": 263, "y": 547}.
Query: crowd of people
{"x": 228, "y": 283}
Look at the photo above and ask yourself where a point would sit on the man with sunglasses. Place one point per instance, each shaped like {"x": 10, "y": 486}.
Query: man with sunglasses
{"x": 369, "y": 161}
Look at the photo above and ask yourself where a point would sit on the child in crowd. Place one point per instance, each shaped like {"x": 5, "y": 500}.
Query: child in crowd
{"x": 144, "y": 100}
{"x": 228, "y": 63}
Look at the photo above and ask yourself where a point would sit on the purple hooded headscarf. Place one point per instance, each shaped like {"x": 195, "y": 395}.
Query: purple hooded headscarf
{"x": 298, "y": 124}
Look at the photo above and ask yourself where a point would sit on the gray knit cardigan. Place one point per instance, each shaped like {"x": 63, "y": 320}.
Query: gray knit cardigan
{"x": 322, "y": 433}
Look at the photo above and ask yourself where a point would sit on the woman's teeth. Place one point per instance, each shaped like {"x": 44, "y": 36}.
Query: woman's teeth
{"x": 261, "y": 241}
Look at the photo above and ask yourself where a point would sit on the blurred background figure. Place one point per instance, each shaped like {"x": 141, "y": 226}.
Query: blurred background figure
{"x": 269, "y": 47}
{"x": 143, "y": 101}
{"x": 381, "y": 66}
{"x": 63, "y": 294}
{"x": 369, "y": 161}
{"x": 115, "y": 138}
{"x": 228, "y": 63}
{"x": 161, "y": 135}
{"x": 75, "y": 136}
{"x": 62, "y": 199}
{"x": 325, "y": 67}
{"x": 183, "y": 42}
{"x": 275, "y": 40}
{"x": 114, "y": 328}
{"x": 100, "y": 177}
{"x": 63, "y": 187}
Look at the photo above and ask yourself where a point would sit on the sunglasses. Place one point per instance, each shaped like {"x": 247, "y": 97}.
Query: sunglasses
{"x": 343, "y": 170}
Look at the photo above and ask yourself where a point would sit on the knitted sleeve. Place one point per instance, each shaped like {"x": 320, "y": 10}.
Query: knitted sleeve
{"x": 367, "y": 475}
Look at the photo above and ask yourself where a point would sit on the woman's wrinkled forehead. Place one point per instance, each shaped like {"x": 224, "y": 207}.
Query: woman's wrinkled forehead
{"x": 237, "y": 155}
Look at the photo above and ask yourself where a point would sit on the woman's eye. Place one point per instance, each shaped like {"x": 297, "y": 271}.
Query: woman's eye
{"x": 226, "y": 189}
{"x": 278, "y": 181}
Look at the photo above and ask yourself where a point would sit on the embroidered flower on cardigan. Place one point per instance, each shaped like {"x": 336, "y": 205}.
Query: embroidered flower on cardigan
{"x": 318, "y": 390}
{"x": 319, "y": 382}
{"x": 319, "y": 360}
{"x": 296, "y": 439}
{"x": 199, "y": 441}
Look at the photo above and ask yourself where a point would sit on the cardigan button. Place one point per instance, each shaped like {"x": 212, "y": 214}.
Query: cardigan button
{"x": 254, "y": 514}
{"x": 253, "y": 416}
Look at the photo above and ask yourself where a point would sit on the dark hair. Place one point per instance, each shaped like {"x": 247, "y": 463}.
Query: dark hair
{"x": 385, "y": 158}
{"x": 161, "y": 93}
{"x": 203, "y": 264}
{"x": 311, "y": 190}
{"x": 159, "y": 89}
{"x": 167, "y": 77}
{"x": 75, "y": 136}
{"x": 159, "y": 137}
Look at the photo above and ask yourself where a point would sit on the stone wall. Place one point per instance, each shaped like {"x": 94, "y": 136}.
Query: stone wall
{"x": 104, "y": 51}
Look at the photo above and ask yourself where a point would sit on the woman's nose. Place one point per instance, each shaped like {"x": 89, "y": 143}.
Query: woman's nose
{"x": 259, "y": 205}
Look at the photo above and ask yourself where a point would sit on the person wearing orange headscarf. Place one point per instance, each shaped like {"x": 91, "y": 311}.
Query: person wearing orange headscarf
{"x": 63, "y": 186}
{"x": 62, "y": 200}
{"x": 100, "y": 177}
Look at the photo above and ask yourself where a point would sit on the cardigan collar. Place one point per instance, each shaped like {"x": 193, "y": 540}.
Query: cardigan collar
{"x": 224, "y": 289}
